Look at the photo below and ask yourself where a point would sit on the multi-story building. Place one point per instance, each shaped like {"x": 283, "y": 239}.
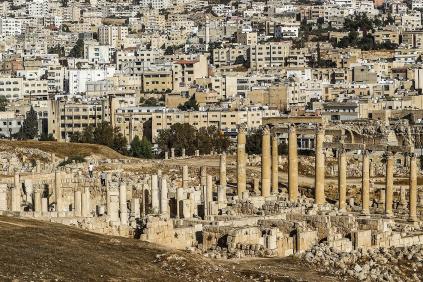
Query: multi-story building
{"x": 268, "y": 55}
{"x": 10, "y": 27}
{"x": 69, "y": 117}
{"x": 78, "y": 78}
{"x": 112, "y": 35}
{"x": 227, "y": 121}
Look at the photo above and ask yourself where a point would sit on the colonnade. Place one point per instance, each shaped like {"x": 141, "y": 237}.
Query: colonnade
{"x": 269, "y": 172}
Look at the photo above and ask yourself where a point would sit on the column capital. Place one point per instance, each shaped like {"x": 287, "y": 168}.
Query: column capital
{"x": 265, "y": 130}
{"x": 242, "y": 128}
{"x": 389, "y": 154}
{"x": 292, "y": 127}
{"x": 320, "y": 128}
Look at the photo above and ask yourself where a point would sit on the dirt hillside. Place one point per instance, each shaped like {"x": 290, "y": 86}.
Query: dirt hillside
{"x": 40, "y": 251}
{"x": 62, "y": 149}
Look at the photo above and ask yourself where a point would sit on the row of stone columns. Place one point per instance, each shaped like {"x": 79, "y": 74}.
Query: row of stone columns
{"x": 389, "y": 184}
{"x": 269, "y": 164}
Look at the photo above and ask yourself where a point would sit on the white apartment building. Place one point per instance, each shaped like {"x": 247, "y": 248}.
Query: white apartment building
{"x": 99, "y": 54}
{"x": 39, "y": 8}
{"x": 416, "y": 4}
{"x": 78, "y": 78}
{"x": 155, "y": 4}
{"x": 412, "y": 20}
{"x": 287, "y": 30}
{"x": 10, "y": 27}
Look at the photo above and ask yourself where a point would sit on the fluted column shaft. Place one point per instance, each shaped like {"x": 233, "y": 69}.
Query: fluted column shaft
{"x": 265, "y": 163}
{"x": 275, "y": 164}
{"x": 319, "y": 168}
{"x": 241, "y": 163}
{"x": 389, "y": 191}
{"x": 413, "y": 189}
{"x": 342, "y": 179}
{"x": 365, "y": 184}
{"x": 292, "y": 164}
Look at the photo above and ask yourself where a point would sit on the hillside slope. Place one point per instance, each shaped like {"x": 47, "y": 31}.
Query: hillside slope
{"x": 62, "y": 149}
{"x": 34, "y": 251}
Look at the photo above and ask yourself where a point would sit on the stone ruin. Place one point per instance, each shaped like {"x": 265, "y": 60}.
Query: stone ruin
{"x": 231, "y": 218}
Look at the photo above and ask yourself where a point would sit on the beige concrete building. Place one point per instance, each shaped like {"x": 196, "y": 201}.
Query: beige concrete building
{"x": 268, "y": 55}
{"x": 69, "y": 117}
{"x": 227, "y": 121}
{"x": 112, "y": 35}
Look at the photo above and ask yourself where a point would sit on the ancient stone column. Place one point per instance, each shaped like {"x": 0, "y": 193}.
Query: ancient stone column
{"x": 108, "y": 179}
{"x": 166, "y": 155}
{"x": 135, "y": 208}
{"x": 3, "y": 197}
{"x": 342, "y": 179}
{"x": 123, "y": 208}
{"x": 179, "y": 199}
{"x": 44, "y": 205}
{"x": 78, "y": 203}
{"x": 265, "y": 163}
{"x": 403, "y": 198}
{"x": 183, "y": 152}
{"x": 365, "y": 184}
{"x": 164, "y": 201}
{"x": 221, "y": 194}
{"x": 209, "y": 188}
{"x": 16, "y": 194}
{"x": 155, "y": 203}
{"x": 389, "y": 197}
{"x": 292, "y": 164}
{"x": 275, "y": 164}
{"x": 29, "y": 189}
{"x": 185, "y": 177}
{"x": 222, "y": 171}
{"x": 241, "y": 163}
{"x": 172, "y": 153}
{"x": 413, "y": 189}
{"x": 114, "y": 206}
{"x": 58, "y": 191}
{"x": 256, "y": 184}
{"x": 85, "y": 207}
{"x": 319, "y": 181}
{"x": 203, "y": 176}
{"x": 205, "y": 200}
{"x": 37, "y": 199}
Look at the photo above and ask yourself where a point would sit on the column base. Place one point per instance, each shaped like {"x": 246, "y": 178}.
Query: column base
{"x": 365, "y": 212}
{"x": 389, "y": 215}
{"x": 412, "y": 219}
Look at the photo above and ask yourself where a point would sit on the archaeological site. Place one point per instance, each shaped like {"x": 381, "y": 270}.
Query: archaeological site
{"x": 352, "y": 209}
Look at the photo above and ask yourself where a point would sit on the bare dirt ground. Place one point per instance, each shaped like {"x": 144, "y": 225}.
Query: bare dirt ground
{"x": 62, "y": 149}
{"x": 40, "y": 251}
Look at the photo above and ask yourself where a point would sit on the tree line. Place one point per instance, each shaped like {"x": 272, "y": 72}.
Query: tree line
{"x": 185, "y": 136}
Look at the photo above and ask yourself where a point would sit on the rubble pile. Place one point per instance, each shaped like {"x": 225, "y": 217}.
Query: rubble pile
{"x": 380, "y": 264}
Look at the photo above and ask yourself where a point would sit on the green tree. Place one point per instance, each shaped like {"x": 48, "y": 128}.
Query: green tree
{"x": 47, "y": 137}
{"x": 191, "y": 104}
{"x": 150, "y": 102}
{"x": 77, "y": 50}
{"x": 141, "y": 148}
{"x": 3, "y": 103}
{"x": 120, "y": 144}
{"x": 87, "y": 135}
{"x": 186, "y": 136}
{"x": 253, "y": 144}
{"x": 29, "y": 129}
{"x": 103, "y": 134}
